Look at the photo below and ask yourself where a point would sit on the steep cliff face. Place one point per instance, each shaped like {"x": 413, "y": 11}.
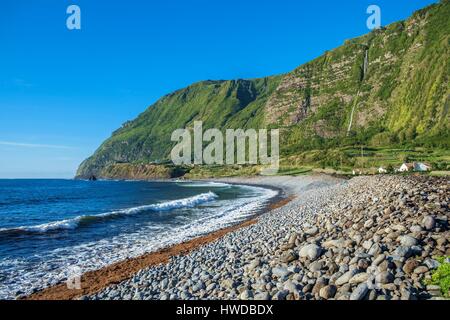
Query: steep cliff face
{"x": 219, "y": 104}
{"x": 391, "y": 83}
{"x": 390, "y": 86}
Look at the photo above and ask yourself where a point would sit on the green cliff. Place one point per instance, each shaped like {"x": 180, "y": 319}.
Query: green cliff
{"x": 387, "y": 88}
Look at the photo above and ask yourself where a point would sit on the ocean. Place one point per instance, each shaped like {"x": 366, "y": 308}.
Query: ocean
{"x": 49, "y": 228}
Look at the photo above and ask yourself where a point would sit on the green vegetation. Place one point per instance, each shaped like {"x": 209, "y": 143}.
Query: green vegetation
{"x": 204, "y": 172}
{"x": 332, "y": 113}
{"x": 345, "y": 159}
{"x": 441, "y": 277}
{"x": 142, "y": 171}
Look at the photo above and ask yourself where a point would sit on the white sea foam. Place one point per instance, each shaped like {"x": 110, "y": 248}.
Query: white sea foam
{"x": 176, "y": 204}
{"x": 194, "y": 184}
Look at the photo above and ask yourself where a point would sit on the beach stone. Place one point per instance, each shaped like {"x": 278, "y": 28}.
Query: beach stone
{"x": 292, "y": 238}
{"x": 372, "y": 295}
{"x": 363, "y": 264}
{"x": 407, "y": 241}
{"x": 358, "y": 278}
{"x": 164, "y": 283}
{"x": 211, "y": 286}
{"x": 368, "y": 224}
{"x": 280, "y": 272}
{"x": 403, "y": 251}
{"x": 339, "y": 243}
{"x": 434, "y": 290}
{"x": 290, "y": 286}
{"x": 280, "y": 295}
{"x": 432, "y": 264}
{"x": 429, "y": 222}
{"x": 359, "y": 292}
{"x": 346, "y": 277}
{"x": 288, "y": 256}
{"x": 320, "y": 283}
{"x": 310, "y": 251}
{"x": 379, "y": 259}
{"x": 253, "y": 265}
{"x": 312, "y": 231}
{"x": 384, "y": 277}
{"x": 164, "y": 296}
{"x": 375, "y": 249}
{"x": 367, "y": 244}
{"x": 328, "y": 292}
{"x": 420, "y": 270}
{"x": 316, "y": 266}
{"x": 410, "y": 265}
{"x": 246, "y": 294}
{"x": 228, "y": 283}
{"x": 262, "y": 296}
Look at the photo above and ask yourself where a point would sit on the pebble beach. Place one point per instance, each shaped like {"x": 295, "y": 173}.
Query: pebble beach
{"x": 372, "y": 238}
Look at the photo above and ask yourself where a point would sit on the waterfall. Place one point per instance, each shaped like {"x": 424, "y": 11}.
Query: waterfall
{"x": 366, "y": 63}
{"x": 364, "y": 73}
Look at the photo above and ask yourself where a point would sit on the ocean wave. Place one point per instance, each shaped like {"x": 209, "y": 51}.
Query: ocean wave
{"x": 51, "y": 267}
{"x": 75, "y": 222}
{"x": 205, "y": 184}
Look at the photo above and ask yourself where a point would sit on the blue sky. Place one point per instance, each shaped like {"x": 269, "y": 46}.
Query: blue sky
{"x": 62, "y": 92}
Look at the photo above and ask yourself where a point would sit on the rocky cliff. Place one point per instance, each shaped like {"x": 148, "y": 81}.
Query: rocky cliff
{"x": 388, "y": 87}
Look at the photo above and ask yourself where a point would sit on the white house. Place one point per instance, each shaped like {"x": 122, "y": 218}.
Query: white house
{"x": 422, "y": 166}
{"x": 406, "y": 167}
{"x": 382, "y": 170}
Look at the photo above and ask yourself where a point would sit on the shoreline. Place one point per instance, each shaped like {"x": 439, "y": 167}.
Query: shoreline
{"x": 96, "y": 280}
{"x": 367, "y": 238}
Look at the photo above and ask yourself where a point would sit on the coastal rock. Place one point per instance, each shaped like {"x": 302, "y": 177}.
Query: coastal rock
{"x": 312, "y": 231}
{"x": 410, "y": 265}
{"x": 432, "y": 264}
{"x": 428, "y": 222}
{"x": 253, "y": 265}
{"x": 404, "y": 252}
{"x": 320, "y": 283}
{"x": 360, "y": 292}
{"x": 346, "y": 277}
{"x": 358, "y": 278}
{"x": 328, "y": 292}
{"x": 288, "y": 256}
{"x": 407, "y": 241}
{"x": 262, "y": 296}
{"x": 384, "y": 277}
{"x": 342, "y": 260}
{"x": 379, "y": 259}
{"x": 310, "y": 251}
{"x": 228, "y": 283}
{"x": 316, "y": 266}
{"x": 420, "y": 270}
{"x": 246, "y": 294}
{"x": 280, "y": 272}
{"x": 281, "y": 295}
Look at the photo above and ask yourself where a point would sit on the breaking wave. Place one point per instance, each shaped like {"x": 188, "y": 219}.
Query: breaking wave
{"x": 75, "y": 222}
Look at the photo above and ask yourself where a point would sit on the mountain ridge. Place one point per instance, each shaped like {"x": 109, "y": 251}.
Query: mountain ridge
{"x": 387, "y": 87}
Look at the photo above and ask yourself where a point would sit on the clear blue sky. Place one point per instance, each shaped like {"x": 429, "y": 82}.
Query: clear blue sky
{"x": 63, "y": 92}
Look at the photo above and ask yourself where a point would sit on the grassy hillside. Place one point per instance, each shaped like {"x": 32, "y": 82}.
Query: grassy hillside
{"x": 219, "y": 104}
{"x": 387, "y": 90}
